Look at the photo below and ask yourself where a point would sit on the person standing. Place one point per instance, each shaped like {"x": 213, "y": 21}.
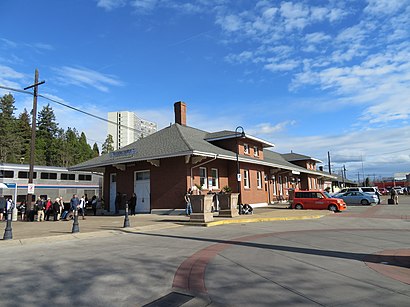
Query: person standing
{"x": 56, "y": 209}
{"x": 187, "y": 197}
{"x": 22, "y": 208}
{"x": 394, "y": 195}
{"x": 49, "y": 207}
{"x": 61, "y": 207}
{"x": 94, "y": 204}
{"x": 117, "y": 202}
{"x": 133, "y": 203}
{"x": 40, "y": 209}
{"x": 3, "y": 204}
{"x": 74, "y": 203}
{"x": 82, "y": 206}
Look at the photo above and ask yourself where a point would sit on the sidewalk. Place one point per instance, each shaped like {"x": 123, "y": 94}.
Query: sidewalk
{"x": 101, "y": 226}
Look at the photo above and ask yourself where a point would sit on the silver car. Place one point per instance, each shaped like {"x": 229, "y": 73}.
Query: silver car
{"x": 352, "y": 198}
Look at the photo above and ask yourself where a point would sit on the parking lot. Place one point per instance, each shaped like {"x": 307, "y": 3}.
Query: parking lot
{"x": 356, "y": 257}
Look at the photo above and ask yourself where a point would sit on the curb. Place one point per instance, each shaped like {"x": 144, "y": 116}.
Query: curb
{"x": 84, "y": 235}
{"x": 253, "y": 220}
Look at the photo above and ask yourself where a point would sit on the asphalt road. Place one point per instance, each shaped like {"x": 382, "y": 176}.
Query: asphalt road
{"x": 355, "y": 258}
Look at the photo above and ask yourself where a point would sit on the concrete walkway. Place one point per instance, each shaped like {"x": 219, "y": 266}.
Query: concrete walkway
{"x": 98, "y": 226}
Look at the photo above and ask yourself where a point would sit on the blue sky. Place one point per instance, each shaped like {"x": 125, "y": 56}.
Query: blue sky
{"x": 308, "y": 76}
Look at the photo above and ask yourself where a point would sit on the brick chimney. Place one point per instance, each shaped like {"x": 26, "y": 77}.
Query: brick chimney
{"x": 180, "y": 113}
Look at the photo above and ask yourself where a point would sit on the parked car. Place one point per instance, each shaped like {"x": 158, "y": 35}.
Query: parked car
{"x": 383, "y": 191}
{"x": 369, "y": 190}
{"x": 355, "y": 198}
{"x": 316, "y": 199}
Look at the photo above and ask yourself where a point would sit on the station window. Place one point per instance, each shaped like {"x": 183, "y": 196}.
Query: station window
{"x": 45, "y": 175}
{"x": 256, "y": 151}
{"x": 142, "y": 175}
{"x": 246, "y": 149}
{"x": 64, "y": 176}
{"x": 203, "y": 177}
{"x": 6, "y": 174}
{"x": 259, "y": 179}
{"x": 246, "y": 179}
{"x": 83, "y": 177}
{"x": 215, "y": 178}
{"x": 25, "y": 175}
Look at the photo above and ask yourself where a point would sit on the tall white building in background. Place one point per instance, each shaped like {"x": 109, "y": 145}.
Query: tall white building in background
{"x": 121, "y": 134}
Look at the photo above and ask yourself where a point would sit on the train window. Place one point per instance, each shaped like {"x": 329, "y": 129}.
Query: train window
{"x": 48, "y": 175}
{"x": 83, "y": 177}
{"x": 67, "y": 176}
{"x": 24, "y": 175}
{"x": 20, "y": 198}
{"x": 6, "y": 174}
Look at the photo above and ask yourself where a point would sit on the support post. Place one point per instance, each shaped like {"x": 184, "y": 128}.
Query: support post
{"x": 76, "y": 226}
{"x": 8, "y": 232}
{"x": 126, "y": 218}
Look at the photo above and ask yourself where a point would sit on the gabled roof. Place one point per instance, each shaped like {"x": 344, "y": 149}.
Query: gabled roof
{"x": 173, "y": 141}
{"x": 178, "y": 140}
{"x": 299, "y": 157}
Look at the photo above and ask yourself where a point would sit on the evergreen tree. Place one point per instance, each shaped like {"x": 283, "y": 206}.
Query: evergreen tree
{"x": 84, "y": 148}
{"x": 47, "y": 131}
{"x": 24, "y": 136}
{"x": 108, "y": 145}
{"x": 70, "y": 145}
{"x": 7, "y": 129}
{"x": 96, "y": 150}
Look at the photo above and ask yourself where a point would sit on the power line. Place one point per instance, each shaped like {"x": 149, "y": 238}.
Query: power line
{"x": 70, "y": 107}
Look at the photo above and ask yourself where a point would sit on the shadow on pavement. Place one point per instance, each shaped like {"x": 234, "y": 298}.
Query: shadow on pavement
{"x": 392, "y": 260}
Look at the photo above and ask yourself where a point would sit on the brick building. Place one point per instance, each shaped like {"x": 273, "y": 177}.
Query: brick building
{"x": 162, "y": 166}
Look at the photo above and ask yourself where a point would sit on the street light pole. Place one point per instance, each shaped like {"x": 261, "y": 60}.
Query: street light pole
{"x": 238, "y": 171}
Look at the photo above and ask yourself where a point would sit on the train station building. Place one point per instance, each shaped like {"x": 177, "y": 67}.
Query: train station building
{"x": 161, "y": 167}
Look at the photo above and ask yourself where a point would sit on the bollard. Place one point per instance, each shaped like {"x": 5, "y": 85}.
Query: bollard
{"x": 126, "y": 219}
{"x": 76, "y": 227}
{"x": 8, "y": 232}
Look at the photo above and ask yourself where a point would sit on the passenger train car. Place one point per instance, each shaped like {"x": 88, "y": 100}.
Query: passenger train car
{"x": 49, "y": 181}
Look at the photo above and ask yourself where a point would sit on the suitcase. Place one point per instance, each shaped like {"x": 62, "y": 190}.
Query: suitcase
{"x": 64, "y": 215}
{"x": 390, "y": 201}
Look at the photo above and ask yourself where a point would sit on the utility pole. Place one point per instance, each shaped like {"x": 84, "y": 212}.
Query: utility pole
{"x": 33, "y": 136}
{"x": 344, "y": 171}
{"x": 328, "y": 162}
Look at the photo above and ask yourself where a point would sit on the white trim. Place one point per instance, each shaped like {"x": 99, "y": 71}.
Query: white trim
{"x": 239, "y": 135}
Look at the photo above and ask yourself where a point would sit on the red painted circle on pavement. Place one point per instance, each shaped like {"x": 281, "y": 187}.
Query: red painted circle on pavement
{"x": 392, "y": 263}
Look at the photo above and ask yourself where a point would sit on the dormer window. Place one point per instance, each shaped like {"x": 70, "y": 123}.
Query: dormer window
{"x": 246, "y": 149}
{"x": 255, "y": 151}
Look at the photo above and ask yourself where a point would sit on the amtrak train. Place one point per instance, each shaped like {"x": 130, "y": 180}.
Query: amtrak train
{"x": 49, "y": 181}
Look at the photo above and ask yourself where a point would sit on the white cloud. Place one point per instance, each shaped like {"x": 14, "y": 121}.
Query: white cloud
{"x": 317, "y": 37}
{"x": 282, "y": 66}
{"x": 144, "y": 5}
{"x": 384, "y": 6}
{"x": 110, "y": 4}
{"x": 269, "y": 129}
{"x": 377, "y": 148}
{"x": 84, "y": 77}
{"x": 229, "y": 23}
